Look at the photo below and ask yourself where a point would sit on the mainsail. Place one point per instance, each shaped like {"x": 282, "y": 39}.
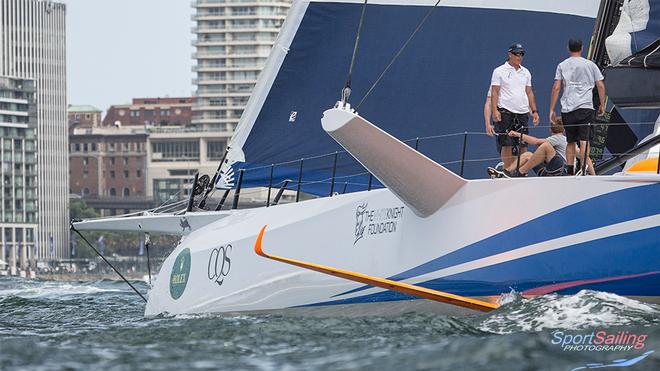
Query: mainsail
{"x": 435, "y": 89}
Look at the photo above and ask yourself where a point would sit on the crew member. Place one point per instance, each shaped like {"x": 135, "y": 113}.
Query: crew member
{"x": 512, "y": 100}
{"x": 490, "y": 131}
{"x": 488, "y": 115}
{"x": 577, "y": 76}
{"x": 548, "y": 159}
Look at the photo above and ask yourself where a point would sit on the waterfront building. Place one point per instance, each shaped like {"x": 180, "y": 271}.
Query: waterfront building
{"x": 32, "y": 46}
{"x": 172, "y": 146}
{"x": 18, "y": 221}
{"x": 233, "y": 40}
{"x": 108, "y": 168}
{"x": 83, "y": 117}
{"x": 176, "y": 154}
{"x": 175, "y": 112}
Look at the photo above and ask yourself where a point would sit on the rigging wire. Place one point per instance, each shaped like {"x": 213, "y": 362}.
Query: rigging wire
{"x": 438, "y": 136}
{"x": 346, "y": 92}
{"x": 73, "y": 228}
{"x": 398, "y": 53}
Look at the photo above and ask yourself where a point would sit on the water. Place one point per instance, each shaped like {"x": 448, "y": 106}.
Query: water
{"x": 99, "y": 325}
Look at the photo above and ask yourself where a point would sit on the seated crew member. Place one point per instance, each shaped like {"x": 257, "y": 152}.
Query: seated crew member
{"x": 548, "y": 159}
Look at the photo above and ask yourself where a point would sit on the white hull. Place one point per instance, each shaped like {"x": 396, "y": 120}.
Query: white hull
{"x": 323, "y": 231}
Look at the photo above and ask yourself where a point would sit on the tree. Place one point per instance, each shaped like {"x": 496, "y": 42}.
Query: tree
{"x": 79, "y": 210}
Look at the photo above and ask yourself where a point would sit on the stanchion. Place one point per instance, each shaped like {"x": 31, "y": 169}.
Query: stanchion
{"x": 586, "y": 151}
{"x": 463, "y": 155}
{"x": 334, "y": 171}
{"x": 280, "y": 191}
{"x": 222, "y": 200}
{"x": 237, "y": 194}
{"x": 270, "y": 185}
{"x": 300, "y": 174}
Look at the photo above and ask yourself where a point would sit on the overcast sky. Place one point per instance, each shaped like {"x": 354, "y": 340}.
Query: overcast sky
{"x": 121, "y": 49}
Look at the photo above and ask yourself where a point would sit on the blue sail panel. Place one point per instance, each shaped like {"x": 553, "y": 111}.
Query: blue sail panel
{"x": 435, "y": 89}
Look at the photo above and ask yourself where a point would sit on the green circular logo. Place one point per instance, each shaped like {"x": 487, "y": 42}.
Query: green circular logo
{"x": 180, "y": 273}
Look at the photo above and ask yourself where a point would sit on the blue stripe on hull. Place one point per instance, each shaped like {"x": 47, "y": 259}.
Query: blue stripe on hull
{"x": 589, "y": 214}
{"x": 626, "y": 254}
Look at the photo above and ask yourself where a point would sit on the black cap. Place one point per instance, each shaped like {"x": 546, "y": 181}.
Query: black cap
{"x": 516, "y": 48}
{"x": 575, "y": 45}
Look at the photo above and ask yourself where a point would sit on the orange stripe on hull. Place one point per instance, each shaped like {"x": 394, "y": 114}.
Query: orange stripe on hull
{"x": 405, "y": 288}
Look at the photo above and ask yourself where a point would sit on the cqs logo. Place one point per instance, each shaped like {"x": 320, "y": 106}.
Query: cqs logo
{"x": 180, "y": 274}
{"x": 219, "y": 264}
{"x": 376, "y": 221}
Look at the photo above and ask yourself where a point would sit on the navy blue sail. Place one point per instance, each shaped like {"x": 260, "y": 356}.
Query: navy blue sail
{"x": 435, "y": 90}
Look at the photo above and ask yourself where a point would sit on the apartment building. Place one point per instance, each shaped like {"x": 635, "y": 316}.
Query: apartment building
{"x": 18, "y": 221}
{"x": 233, "y": 40}
{"x": 33, "y": 46}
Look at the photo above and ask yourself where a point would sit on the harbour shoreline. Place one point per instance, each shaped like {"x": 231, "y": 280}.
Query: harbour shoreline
{"x": 68, "y": 277}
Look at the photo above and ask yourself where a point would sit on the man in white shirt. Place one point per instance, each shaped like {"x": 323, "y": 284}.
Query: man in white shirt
{"x": 512, "y": 99}
{"x": 577, "y": 76}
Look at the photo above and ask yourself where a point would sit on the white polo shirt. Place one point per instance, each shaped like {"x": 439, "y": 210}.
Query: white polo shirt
{"x": 512, "y": 85}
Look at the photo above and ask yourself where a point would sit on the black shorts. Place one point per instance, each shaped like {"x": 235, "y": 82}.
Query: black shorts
{"x": 554, "y": 167}
{"x": 511, "y": 121}
{"x": 576, "y": 124}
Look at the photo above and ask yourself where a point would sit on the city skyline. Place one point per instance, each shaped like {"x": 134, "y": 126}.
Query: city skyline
{"x": 115, "y": 54}
{"x": 186, "y": 134}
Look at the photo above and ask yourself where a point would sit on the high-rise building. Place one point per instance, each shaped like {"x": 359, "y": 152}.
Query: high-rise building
{"x": 33, "y": 46}
{"x": 19, "y": 182}
{"x": 234, "y": 38}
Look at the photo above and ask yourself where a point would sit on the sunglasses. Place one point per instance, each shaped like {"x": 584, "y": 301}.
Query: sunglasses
{"x": 519, "y": 54}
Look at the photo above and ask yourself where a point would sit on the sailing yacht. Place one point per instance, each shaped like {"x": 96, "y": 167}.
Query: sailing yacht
{"x": 428, "y": 232}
